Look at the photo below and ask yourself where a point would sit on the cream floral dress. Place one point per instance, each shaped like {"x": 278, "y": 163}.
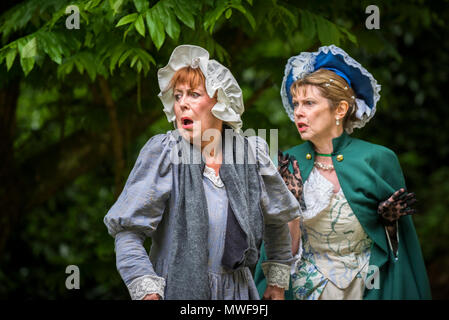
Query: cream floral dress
{"x": 335, "y": 250}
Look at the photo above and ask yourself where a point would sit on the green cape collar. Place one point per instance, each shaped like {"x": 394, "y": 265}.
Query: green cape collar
{"x": 338, "y": 143}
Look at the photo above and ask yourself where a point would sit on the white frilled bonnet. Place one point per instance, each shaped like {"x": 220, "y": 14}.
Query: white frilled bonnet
{"x": 229, "y": 106}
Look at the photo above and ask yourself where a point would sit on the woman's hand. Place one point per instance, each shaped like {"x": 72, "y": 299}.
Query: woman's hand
{"x": 293, "y": 181}
{"x": 274, "y": 293}
{"x": 153, "y": 296}
{"x": 398, "y": 205}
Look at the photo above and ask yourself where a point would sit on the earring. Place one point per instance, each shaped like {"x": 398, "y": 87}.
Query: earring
{"x": 337, "y": 122}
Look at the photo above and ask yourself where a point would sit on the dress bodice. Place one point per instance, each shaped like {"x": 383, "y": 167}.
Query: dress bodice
{"x": 333, "y": 239}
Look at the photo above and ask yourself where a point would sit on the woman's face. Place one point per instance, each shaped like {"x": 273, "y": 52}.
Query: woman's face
{"x": 193, "y": 111}
{"x": 314, "y": 118}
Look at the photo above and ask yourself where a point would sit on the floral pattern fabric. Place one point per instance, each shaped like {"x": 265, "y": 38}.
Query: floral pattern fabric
{"x": 335, "y": 248}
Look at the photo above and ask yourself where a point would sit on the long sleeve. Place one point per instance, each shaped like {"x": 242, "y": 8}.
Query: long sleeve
{"x": 279, "y": 206}
{"x": 137, "y": 213}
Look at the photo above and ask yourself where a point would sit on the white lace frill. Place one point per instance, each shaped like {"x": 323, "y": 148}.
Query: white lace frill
{"x": 318, "y": 192}
{"x": 303, "y": 64}
{"x": 144, "y": 285}
{"x": 210, "y": 174}
{"x": 277, "y": 274}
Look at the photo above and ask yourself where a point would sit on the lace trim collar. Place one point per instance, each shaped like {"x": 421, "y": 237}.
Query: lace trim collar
{"x": 210, "y": 174}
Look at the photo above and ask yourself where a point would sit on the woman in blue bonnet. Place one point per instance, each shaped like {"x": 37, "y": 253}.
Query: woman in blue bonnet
{"x": 204, "y": 210}
{"x": 357, "y": 237}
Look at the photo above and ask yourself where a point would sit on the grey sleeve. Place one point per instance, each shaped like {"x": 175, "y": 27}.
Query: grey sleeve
{"x": 278, "y": 204}
{"x": 139, "y": 209}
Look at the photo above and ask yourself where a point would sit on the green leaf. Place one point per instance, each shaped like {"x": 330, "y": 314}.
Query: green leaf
{"x": 350, "y": 36}
{"x": 308, "y": 24}
{"x": 245, "y": 12}
{"x": 30, "y": 49}
{"x": 124, "y": 57}
{"x": 213, "y": 16}
{"x": 169, "y": 19}
{"x": 115, "y": 5}
{"x": 91, "y": 4}
{"x": 286, "y": 13}
{"x": 327, "y": 32}
{"x": 127, "y": 19}
{"x": 131, "y": 27}
{"x": 133, "y": 61}
{"x": 183, "y": 14}
{"x": 145, "y": 56}
{"x": 51, "y": 45}
{"x": 79, "y": 66}
{"x": 140, "y": 26}
{"x": 156, "y": 28}
{"x": 228, "y": 13}
{"x": 139, "y": 66}
{"x": 27, "y": 65}
{"x": 88, "y": 40}
{"x": 117, "y": 53}
{"x": 65, "y": 68}
{"x": 10, "y": 56}
{"x": 89, "y": 63}
{"x": 251, "y": 19}
{"x": 141, "y": 5}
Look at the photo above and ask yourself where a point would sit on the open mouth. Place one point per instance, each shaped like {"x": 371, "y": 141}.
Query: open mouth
{"x": 186, "y": 122}
{"x": 302, "y": 126}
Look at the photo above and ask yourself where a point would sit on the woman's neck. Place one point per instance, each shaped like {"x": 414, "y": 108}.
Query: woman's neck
{"x": 324, "y": 144}
{"x": 212, "y": 153}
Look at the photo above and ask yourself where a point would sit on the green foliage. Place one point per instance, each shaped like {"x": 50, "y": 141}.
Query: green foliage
{"x": 102, "y": 20}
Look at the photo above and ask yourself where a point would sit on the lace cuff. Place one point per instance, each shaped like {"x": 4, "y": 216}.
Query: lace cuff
{"x": 277, "y": 274}
{"x": 144, "y": 285}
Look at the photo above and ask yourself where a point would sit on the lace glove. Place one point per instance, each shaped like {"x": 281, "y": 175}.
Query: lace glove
{"x": 399, "y": 204}
{"x": 293, "y": 181}
{"x": 390, "y": 210}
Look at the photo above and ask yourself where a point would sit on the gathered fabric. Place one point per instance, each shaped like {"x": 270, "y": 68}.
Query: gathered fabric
{"x": 188, "y": 274}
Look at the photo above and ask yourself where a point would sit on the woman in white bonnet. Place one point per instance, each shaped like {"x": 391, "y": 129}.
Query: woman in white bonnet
{"x": 205, "y": 211}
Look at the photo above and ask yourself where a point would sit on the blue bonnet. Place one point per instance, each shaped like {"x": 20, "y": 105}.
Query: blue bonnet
{"x": 337, "y": 60}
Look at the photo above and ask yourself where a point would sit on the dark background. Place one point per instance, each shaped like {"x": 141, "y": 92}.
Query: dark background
{"x": 76, "y": 106}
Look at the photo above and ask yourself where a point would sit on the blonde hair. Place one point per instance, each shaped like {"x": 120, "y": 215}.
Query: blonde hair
{"x": 332, "y": 87}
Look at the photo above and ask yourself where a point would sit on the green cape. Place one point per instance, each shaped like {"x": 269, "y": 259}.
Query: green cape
{"x": 368, "y": 175}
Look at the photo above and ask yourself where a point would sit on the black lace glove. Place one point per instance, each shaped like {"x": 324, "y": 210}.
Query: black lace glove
{"x": 293, "y": 181}
{"x": 396, "y": 206}
{"x": 390, "y": 210}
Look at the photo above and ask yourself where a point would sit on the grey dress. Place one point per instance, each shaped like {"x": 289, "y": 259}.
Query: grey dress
{"x": 144, "y": 210}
